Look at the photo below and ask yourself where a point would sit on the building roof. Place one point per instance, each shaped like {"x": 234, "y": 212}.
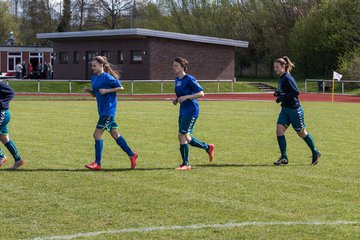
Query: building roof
{"x": 26, "y": 48}
{"x": 139, "y": 32}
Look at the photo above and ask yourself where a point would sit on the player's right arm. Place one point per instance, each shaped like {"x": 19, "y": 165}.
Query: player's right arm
{"x": 88, "y": 90}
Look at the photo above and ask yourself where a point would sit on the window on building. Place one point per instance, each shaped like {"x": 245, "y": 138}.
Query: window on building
{"x": 136, "y": 56}
{"x": 13, "y": 59}
{"x": 120, "y": 57}
{"x": 63, "y": 57}
{"x": 76, "y": 57}
{"x": 106, "y": 54}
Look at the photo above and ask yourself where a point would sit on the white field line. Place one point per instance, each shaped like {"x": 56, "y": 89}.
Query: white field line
{"x": 198, "y": 226}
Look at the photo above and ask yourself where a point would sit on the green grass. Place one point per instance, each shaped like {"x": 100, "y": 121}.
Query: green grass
{"x": 139, "y": 88}
{"x": 55, "y": 195}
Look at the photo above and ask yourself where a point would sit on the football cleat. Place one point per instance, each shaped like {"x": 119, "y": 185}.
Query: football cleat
{"x": 183, "y": 167}
{"x": 211, "y": 152}
{"x": 93, "y": 166}
{"x": 3, "y": 160}
{"x": 315, "y": 158}
{"x": 133, "y": 160}
{"x": 17, "y": 164}
{"x": 281, "y": 161}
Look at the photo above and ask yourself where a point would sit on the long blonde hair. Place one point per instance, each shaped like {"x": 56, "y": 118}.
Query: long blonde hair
{"x": 107, "y": 66}
{"x": 286, "y": 62}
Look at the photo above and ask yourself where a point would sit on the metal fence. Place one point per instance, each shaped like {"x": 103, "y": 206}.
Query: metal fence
{"x": 323, "y": 84}
{"x": 132, "y": 83}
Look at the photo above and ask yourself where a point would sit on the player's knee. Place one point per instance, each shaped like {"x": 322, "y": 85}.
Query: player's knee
{"x": 182, "y": 138}
{"x": 4, "y": 138}
{"x": 115, "y": 135}
{"x": 302, "y": 133}
{"x": 97, "y": 136}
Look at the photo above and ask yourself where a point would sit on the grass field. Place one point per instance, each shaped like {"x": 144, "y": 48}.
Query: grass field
{"x": 139, "y": 88}
{"x": 54, "y": 195}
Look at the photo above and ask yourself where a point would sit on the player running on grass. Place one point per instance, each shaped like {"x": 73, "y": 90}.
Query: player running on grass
{"x": 104, "y": 85}
{"x": 187, "y": 90}
{"x": 6, "y": 95}
{"x": 291, "y": 111}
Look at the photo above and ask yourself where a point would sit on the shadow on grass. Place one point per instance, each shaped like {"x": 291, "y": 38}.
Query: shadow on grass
{"x": 244, "y": 165}
{"x": 83, "y": 170}
{"x": 147, "y": 169}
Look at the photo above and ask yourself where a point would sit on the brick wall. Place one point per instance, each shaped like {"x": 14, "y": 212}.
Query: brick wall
{"x": 78, "y": 71}
{"x": 3, "y": 61}
{"x": 206, "y": 61}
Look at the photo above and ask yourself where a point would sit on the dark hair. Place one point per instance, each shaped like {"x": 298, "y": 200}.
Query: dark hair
{"x": 183, "y": 62}
{"x": 107, "y": 66}
{"x": 285, "y": 61}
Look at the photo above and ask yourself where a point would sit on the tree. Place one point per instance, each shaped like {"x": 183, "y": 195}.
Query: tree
{"x": 79, "y": 10}
{"x": 322, "y": 38}
{"x": 64, "y": 25}
{"x": 111, "y": 13}
{"x": 36, "y": 18}
{"x": 8, "y": 23}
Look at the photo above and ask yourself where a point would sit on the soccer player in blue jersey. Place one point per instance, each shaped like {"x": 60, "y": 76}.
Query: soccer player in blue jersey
{"x": 291, "y": 111}
{"x": 187, "y": 91}
{"x": 105, "y": 85}
{"x": 6, "y": 95}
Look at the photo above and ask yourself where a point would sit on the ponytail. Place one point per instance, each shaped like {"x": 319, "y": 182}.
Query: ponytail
{"x": 286, "y": 62}
{"x": 108, "y": 67}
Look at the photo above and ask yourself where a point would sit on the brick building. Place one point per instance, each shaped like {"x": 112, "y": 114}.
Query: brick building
{"x": 142, "y": 53}
{"x": 11, "y": 55}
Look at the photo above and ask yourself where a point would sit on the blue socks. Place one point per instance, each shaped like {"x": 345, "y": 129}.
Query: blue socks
{"x": 310, "y": 142}
{"x": 10, "y": 145}
{"x": 122, "y": 143}
{"x": 199, "y": 144}
{"x": 184, "y": 150}
{"x": 98, "y": 151}
{"x": 282, "y": 145}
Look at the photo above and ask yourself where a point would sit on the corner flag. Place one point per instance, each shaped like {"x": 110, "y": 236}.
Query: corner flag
{"x": 337, "y": 76}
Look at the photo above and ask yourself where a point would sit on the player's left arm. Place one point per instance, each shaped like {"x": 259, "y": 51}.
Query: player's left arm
{"x": 292, "y": 91}
{"x": 115, "y": 86}
{"x": 192, "y": 96}
{"x": 195, "y": 88}
{"x": 110, "y": 90}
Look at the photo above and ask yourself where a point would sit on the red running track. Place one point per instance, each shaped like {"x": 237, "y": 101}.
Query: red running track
{"x": 308, "y": 97}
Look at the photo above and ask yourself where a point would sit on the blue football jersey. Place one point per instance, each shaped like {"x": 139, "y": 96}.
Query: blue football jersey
{"x": 188, "y": 85}
{"x": 106, "y": 103}
{"x": 289, "y": 91}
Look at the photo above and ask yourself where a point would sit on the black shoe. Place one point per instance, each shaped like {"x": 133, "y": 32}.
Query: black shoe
{"x": 315, "y": 158}
{"x": 281, "y": 161}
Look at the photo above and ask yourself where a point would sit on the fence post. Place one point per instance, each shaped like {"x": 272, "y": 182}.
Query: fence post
{"x": 70, "y": 88}
{"x": 342, "y": 87}
{"x": 132, "y": 86}
{"x": 7, "y": 82}
{"x": 38, "y": 85}
{"x": 323, "y": 85}
{"x": 305, "y": 85}
{"x": 162, "y": 86}
{"x": 218, "y": 89}
{"x": 232, "y": 85}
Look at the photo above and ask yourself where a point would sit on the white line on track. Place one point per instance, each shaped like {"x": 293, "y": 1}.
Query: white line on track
{"x": 198, "y": 226}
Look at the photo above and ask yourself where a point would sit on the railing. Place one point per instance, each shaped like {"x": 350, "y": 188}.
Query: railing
{"x": 39, "y": 81}
{"x": 328, "y": 83}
